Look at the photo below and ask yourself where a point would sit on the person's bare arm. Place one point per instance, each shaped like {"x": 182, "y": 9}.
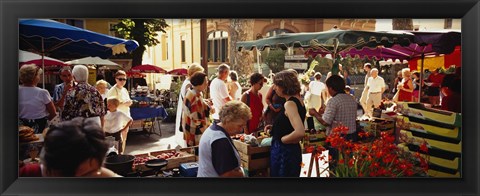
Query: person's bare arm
{"x": 410, "y": 86}
{"x": 127, "y": 125}
{"x": 318, "y": 115}
{"x": 294, "y": 117}
{"x": 61, "y": 101}
{"x": 268, "y": 98}
{"x": 227, "y": 99}
{"x": 244, "y": 98}
{"x": 52, "y": 112}
{"x": 102, "y": 120}
{"x": 237, "y": 172}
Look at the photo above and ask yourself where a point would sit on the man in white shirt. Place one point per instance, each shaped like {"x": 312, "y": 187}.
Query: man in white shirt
{"x": 219, "y": 91}
{"x": 367, "y": 67}
{"x": 375, "y": 88}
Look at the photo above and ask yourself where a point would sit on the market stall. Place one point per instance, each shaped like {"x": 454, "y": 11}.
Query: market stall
{"x": 147, "y": 110}
{"x": 147, "y": 116}
{"x": 164, "y": 163}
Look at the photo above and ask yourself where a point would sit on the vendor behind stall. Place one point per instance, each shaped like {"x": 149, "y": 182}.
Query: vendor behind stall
{"x": 341, "y": 109}
{"x": 218, "y": 157}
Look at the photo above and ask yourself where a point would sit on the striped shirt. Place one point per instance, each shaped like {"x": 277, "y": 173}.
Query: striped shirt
{"x": 57, "y": 92}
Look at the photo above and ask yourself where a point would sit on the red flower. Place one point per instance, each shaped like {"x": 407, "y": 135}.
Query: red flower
{"x": 424, "y": 147}
{"x": 309, "y": 149}
{"x": 381, "y": 157}
{"x": 320, "y": 148}
{"x": 351, "y": 162}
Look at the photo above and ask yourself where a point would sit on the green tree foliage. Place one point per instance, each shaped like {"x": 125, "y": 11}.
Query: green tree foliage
{"x": 324, "y": 65}
{"x": 144, "y": 31}
{"x": 275, "y": 59}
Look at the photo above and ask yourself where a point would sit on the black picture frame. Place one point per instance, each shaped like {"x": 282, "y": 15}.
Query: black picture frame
{"x": 11, "y": 11}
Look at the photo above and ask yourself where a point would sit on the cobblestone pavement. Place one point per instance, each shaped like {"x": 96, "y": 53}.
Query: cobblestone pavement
{"x": 143, "y": 143}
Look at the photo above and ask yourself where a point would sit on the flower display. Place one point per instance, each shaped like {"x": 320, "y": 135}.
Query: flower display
{"x": 379, "y": 158}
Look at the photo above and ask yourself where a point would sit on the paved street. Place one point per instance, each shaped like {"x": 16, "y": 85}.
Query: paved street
{"x": 138, "y": 144}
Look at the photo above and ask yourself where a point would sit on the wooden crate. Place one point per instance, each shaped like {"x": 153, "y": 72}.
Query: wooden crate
{"x": 174, "y": 162}
{"x": 253, "y": 158}
{"x": 376, "y": 127}
{"x": 313, "y": 139}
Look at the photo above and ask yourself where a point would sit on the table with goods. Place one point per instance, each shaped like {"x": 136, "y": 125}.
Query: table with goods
{"x": 147, "y": 113}
{"x": 180, "y": 162}
{"x": 30, "y": 145}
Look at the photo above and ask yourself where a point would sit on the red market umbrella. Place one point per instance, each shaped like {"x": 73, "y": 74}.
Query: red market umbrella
{"x": 131, "y": 74}
{"x": 47, "y": 62}
{"x": 178, "y": 71}
{"x": 148, "y": 69}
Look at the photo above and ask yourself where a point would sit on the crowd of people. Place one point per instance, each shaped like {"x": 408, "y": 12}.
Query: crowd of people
{"x": 208, "y": 120}
{"x": 73, "y": 98}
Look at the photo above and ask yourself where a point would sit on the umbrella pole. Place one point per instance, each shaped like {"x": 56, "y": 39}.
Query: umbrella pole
{"x": 421, "y": 79}
{"x": 258, "y": 62}
{"x": 43, "y": 65}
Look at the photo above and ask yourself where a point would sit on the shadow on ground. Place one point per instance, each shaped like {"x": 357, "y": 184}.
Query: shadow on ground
{"x": 143, "y": 143}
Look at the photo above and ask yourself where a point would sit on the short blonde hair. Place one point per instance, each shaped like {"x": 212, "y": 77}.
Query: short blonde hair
{"x": 113, "y": 100}
{"x": 194, "y": 68}
{"x": 101, "y": 82}
{"x": 28, "y": 72}
{"x": 234, "y": 110}
{"x": 406, "y": 72}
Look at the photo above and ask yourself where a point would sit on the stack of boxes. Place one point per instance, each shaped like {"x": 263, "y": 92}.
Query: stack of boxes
{"x": 314, "y": 139}
{"x": 376, "y": 127}
{"x": 255, "y": 160}
{"x": 441, "y": 130}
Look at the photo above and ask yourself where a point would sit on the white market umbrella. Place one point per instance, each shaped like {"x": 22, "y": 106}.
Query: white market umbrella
{"x": 25, "y": 57}
{"x": 97, "y": 61}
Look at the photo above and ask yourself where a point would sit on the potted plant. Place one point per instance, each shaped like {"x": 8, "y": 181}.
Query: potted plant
{"x": 172, "y": 114}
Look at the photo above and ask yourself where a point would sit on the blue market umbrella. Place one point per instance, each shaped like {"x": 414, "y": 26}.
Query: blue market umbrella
{"x": 58, "y": 39}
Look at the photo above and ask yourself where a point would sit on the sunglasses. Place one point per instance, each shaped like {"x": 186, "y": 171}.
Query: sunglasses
{"x": 122, "y": 79}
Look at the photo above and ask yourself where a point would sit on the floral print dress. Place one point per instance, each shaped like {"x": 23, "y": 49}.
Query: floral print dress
{"x": 83, "y": 100}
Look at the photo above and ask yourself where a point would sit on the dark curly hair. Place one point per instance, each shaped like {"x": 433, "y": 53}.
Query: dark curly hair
{"x": 255, "y": 78}
{"x": 70, "y": 143}
{"x": 288, "y": 81}
{"x": 198, "y": 78}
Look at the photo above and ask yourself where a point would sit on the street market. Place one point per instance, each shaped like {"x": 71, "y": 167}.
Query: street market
{"x": 355, "y": 102}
